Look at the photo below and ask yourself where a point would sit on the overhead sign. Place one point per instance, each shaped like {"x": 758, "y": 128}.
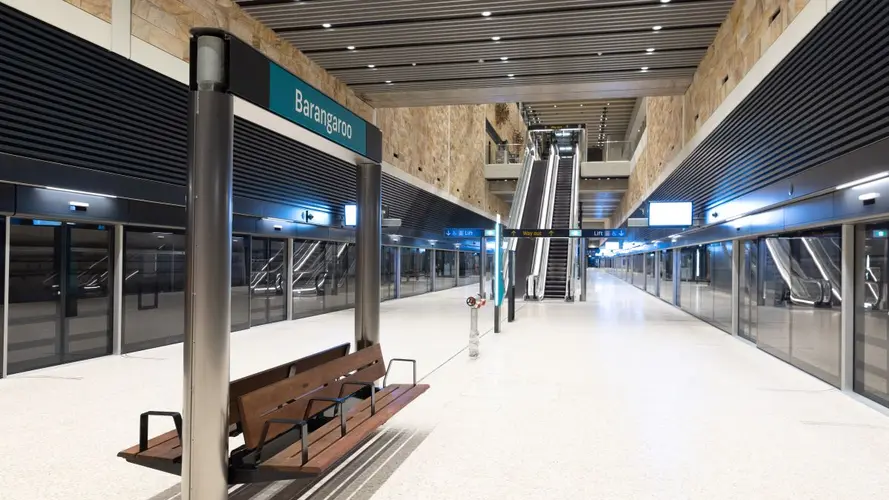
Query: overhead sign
{"x": 302, "y": 104}
{"x": 564, "y": 233}
{"x": 464, "y": 232}
{"x": 266, "y": 84}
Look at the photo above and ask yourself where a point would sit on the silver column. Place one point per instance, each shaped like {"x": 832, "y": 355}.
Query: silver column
{"x": 117, "y": 291}
{"x": 657, "y": 273}
{"x": 208, "y": 283}
{"x": 4, "y": 335}
{"x": 434, "y": 271}
{"x": 677, "y": 276}
{"x": 397, "y": 265}
{"x": 288, "y": 279}
{"x": 457, "y": 268}
{"x": 737, "y": 250}
{"x": 367, "y": 243}
{"x": 852, "y": 244}
{"x": 584, "y": 265}
{"x": 483, "y": 263}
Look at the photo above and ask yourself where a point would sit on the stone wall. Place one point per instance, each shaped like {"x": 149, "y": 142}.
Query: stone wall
{"x": 98, "y": 8}
{"x": 444, "y": 146}
{"x": 166, "y": 23}
{"x": 514, "y": 124}
{"x": 751, "y": 27}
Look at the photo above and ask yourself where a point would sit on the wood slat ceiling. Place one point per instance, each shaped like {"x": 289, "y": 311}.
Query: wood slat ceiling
{"x": 609, "y": 118}
{"x": 436, "y": 45}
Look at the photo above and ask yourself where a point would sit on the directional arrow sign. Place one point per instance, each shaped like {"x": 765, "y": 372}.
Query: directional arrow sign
{"x": 564, "y": 233}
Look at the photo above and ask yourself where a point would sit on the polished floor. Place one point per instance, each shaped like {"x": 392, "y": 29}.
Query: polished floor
{"x": 621, "y": 397}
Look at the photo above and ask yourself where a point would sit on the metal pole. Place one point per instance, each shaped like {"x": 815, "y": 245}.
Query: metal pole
{"x": 737, "y": 248}
{"x": 433, "y": 257}
{"x": 497, "y": 281}
{"x": 208, "y": 285}
{"x": 368, "y": 240}
{"x": 483, "y": 262}
{"x": 397, "y": 265}
{"x": 510, "y": 310}
{"x": 677, "y": 276}
{"x": 457, "y": 268}
{"x": 117, "y": 290}
{"x": 584, "y": 244}
{"x": 852, "y": 243}
{"x": 4, "y": 335}
{"x": 288, "y": 279}
{"x": 473, "y": 332}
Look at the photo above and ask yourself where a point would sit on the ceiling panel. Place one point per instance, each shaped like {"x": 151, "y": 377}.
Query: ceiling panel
{"x": 436, "y": 45}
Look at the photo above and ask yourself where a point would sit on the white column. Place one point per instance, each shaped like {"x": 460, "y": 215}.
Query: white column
{"x": 121, "y": 22}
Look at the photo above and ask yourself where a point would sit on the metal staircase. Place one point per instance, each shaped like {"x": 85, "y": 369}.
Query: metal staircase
{"x": 557, "y": 260}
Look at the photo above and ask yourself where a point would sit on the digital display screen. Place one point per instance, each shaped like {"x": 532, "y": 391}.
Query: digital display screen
{"x": 351, "y": 215}
{"x": 669, "y": 214}
{"x": 612, "y": 245}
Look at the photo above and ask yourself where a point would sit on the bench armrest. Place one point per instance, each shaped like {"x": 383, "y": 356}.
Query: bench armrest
{"x": 338, "y": 409}
{"x": 373, "y": 397}
{"x": 143, "y": 426}
{"x": 303, "y": 435}
{"x": 389, "y": 366}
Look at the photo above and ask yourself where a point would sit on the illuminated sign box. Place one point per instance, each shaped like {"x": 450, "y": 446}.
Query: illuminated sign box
{"x": 669, "y": 213}
{"x": 351, "y": 215}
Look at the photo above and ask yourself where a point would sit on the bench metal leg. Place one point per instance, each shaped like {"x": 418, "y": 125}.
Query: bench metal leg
{"x": 373, "y": 397}
{"x": 303, "y": 435}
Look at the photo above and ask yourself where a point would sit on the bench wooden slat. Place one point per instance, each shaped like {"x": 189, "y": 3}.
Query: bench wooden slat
{"x": 334, "y": 453}
{"x": 295, "y": 393}
{"x": 155, "y": 441}
{"x": 168, "y": 450}
{"x": 321, "y": 438}
{"x": 259, "y": 380}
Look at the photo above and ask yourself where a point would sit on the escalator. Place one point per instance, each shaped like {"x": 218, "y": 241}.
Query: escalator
{"x": 557, "y": 263}
{"x": 524, "y": 247}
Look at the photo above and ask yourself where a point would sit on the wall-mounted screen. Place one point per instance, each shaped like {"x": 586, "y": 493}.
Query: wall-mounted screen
{"x": 351, "y": 215}
{"x": 669, "y": 213}
{"x": 612, "y": 245}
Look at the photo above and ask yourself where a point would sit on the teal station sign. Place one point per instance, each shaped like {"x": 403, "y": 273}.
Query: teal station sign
{"x": 304, "y": 105}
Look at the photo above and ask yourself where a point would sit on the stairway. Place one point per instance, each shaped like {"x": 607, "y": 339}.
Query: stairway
{"x": 557, "y": 261}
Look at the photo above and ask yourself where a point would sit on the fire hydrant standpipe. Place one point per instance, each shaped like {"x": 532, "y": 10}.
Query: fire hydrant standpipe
{"x": 475, "y": 303}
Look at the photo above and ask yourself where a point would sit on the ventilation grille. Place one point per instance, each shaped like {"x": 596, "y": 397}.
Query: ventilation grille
{"x": 66, "y": 100}
{"x": 826, "y": 99}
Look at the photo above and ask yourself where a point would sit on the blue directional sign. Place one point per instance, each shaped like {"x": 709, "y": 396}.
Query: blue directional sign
{"x": 464, "y": 232}
{"x": 564, "y": 233}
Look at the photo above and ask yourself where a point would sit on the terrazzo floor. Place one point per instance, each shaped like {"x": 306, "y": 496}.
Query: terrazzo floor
{"x": 621, "y": 397}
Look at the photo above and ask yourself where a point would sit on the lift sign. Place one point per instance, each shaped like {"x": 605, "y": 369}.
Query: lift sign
{"x": 302, "y": 104}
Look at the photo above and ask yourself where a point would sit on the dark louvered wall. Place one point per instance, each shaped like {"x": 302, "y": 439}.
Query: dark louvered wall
{"x": 65, "y": 100}
{"x": 827, "y": 98}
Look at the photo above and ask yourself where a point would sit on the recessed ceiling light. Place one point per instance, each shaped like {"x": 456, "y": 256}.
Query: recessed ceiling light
{"x": 325, "y": 25}
{"x": 656, "y": 28}
{"x": 495, "y": 38}
{"x": 351, "y": 47}
{"x": 504, "y": 58}
{"x": 488, "y": 13}
{"x": 510, "y": 75}
{"x": 649, "y": 50}
{"x": 555, "y": 106}
{"x": 581, "y": 105}
{"x": 644, "y": 69}
{"x": 371, "y": 66}
{"x": 388, "y": 81}
{"x": 608, "y": 104}
{"x": 665, "y": 1}
{"x": 481, "y": 60}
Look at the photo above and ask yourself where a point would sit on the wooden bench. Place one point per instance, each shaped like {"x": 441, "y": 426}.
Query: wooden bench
{"x": 164, "y": 452}
{"x": 279, "y": 442}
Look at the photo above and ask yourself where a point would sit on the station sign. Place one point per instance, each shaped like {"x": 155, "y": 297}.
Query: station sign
{"x": 564, "y": 233}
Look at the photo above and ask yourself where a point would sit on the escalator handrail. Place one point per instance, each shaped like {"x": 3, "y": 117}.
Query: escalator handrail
{"x": 518, "y": 206}
{"x": 573, "y": 243}
{"x": 541, "y": 245}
